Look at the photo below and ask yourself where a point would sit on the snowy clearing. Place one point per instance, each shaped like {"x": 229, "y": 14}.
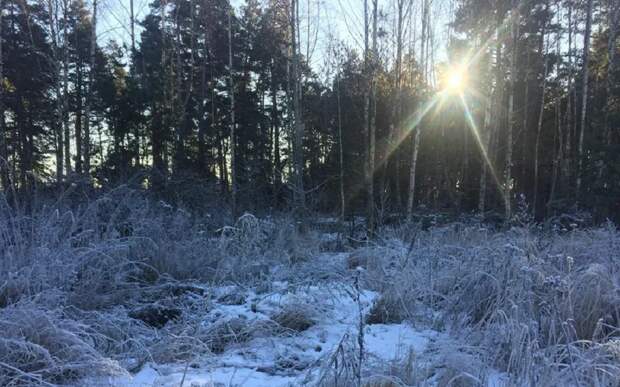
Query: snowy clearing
{"x": 264, "y": 304}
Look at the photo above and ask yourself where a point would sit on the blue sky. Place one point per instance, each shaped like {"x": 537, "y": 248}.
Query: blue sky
{"x": 320, "y": 19}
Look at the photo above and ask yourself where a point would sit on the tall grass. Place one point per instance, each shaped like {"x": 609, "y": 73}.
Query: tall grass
{"x": 70, "y": 271}
{"x": 543, "y": 305}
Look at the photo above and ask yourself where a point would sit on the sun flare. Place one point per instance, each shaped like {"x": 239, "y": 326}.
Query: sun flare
{"x": 456, "y": 80}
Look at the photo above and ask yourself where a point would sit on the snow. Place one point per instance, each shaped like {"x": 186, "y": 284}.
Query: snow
{"x": 273, "y": 359}
{"x": 258, "y": 362}
{"x": 394, "y": 341}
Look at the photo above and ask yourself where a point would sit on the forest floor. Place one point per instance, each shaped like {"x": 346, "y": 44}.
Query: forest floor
{"x": 319, "y": 326}
{"x": 127, "y": 292}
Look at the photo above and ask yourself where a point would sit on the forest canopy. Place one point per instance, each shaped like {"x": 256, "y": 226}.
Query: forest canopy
{"x": 459, "y": 105}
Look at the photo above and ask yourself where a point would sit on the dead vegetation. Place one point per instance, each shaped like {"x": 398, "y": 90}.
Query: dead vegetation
{"x": 106, "y": 287}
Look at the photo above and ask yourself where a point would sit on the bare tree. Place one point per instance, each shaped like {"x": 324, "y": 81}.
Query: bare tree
{"x": 584, "y": 94}
{"x": 372, "y": 113}
{"x": 298, "y": 169}
{"x": 570, "y": 98}
{"x": 60, "y": 104}
{"x": 614, "y": 20}
{"x": 416, "y": 139}
{"x": 91, "y": 90}
{"x": 541, "y": 111}
{"x": 395, "y": 127}
{"x": 486, "y": 140}
{"x": 233, "y": 147}
{"x": 132, "y": 24}
{"x": 559, "y": 135}
{"x": 515, "y": 16}
{"x": 65, "y": 86}
{"x": 366, "y": 117}
{"x": 340, "y": 145}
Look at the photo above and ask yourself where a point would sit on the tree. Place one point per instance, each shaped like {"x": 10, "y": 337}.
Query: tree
{"x": 4, "y": 166}
{"x": 584, "y": 95}
{"x": 514, "y": 16}
{"x": 233, "y": 139}
{"x": 416, "y": 137}
{"x": 298, "y": 170}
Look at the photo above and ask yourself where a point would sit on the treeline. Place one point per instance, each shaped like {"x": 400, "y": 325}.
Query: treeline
{"x": 203, "y": 94}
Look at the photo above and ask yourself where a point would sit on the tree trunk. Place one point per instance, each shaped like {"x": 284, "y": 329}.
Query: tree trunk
{"x": 511, "y": 113}
{"x": 486, "y": 139}
{"x": 159, "y": 121}
{"x": 541, "y": 112}
{"x": 91, "y": 90}
{"x": 298, "y": 168}
{"x": 56, "y": 66}
{"x": 524, "y": 126}
{"x": 78, "y": 119}
{"x": 65, "y": 85}
{"x": 132, "y": 23}
{"x": 202, "y": 122}
{"x": 340, "y": 149}
{"x": 372, "y": 124}
{"x": 366, "y": 129}
{"x": 276, "y": 164}
{"x": 614, "y": 20}
{"x": 584, "y": 95}
{"x": 4, "y": 166}
{"x": 233, "y": 141}
{"x": 559, "y": 154}
{"x": 491, "y": 115}
{"x": 416, "y": 139}
{"x": 566, "y": 165}
{"x": 395, "y": 127}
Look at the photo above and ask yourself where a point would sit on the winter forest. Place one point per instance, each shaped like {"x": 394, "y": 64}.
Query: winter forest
{"x": 369, "y": 193}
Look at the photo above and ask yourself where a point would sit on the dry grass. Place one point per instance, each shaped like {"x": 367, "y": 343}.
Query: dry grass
{"x": 541, "y": 305}
{"x": 73, "y": 275}
{"x": 294, "y": 318}
{"x": 38, "y": 347}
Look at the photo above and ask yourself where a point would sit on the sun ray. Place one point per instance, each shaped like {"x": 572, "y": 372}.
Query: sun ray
{"x": 457, "y": 84}
{"x": 474, "y": 128}
{"x": 408, "y": 126}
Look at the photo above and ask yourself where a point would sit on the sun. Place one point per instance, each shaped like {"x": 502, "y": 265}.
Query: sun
{"x": 455, "y": 80}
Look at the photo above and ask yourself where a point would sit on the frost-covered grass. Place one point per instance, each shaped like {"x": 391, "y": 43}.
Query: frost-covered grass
{"x": 123, "y": 290}
{"x": 541, "y": 306}
{"x": 78, "y": 274}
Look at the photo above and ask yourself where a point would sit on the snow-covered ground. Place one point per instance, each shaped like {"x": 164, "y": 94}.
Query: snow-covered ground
{"x": 266, "y": 304}
{"x": 290, "y": 359}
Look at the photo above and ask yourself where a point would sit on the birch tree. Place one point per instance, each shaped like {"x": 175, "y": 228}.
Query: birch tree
{"x": 508, "y": 183}
{"x": 298, "y": 125}
{"x": 584, "y": 94}
{"x": 91, "y": 90}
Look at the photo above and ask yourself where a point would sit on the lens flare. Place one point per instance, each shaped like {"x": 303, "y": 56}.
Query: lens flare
{"x": 456, "y": 80}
